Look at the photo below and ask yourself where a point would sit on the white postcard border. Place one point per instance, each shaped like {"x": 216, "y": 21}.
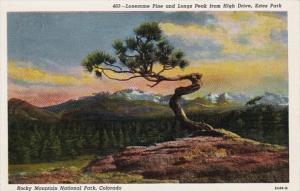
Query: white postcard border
{"x": 292, "y": 7}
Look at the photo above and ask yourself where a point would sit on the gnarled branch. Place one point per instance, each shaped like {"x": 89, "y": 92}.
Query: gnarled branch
{"x": 119, "y": 79}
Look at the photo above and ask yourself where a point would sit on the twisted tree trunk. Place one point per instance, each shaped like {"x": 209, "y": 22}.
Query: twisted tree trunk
{"x": 200, "y": 128}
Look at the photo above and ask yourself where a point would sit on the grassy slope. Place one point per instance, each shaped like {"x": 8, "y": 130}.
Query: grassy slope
{"x": 74, "y": 164}
{"x": 71, "y": 171}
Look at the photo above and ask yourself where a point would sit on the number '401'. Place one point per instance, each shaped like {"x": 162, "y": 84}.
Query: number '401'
{"x": 116, "y": 6}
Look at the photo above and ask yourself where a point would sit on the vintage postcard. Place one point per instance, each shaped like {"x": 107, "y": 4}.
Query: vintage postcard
{"x": 149, "y": 95}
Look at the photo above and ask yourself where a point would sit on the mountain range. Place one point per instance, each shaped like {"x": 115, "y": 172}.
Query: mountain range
{"x": 126, "y": 104}
{"x": 230, "y": 97}
{"x": 273, "y": 99}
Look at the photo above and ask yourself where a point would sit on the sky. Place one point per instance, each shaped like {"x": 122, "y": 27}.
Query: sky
{"x": 235, "y": 51}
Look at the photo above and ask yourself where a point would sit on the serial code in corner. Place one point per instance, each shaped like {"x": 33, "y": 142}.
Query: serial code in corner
{"x": 281, "y": 188}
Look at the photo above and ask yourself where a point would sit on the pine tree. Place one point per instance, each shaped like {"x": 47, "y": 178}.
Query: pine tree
{"x": 127, "y": 140}
{"x": 24, "y": 154}
{"x": 121, "y": 138}
{"x": 78, "y": 144}
{"x": 103, "y": 142}
{"x": 34, "y": 147}
{"x": 55, "y": 150}
{"x": 68, "y": 149}
{"x": 168, "y": 131}
{"x": 112, "y": 141}
{"x": 45, "y": 154}
{"x": 138, "y": 56}
{"x": 137, "y": 140}
{"x": 94, "y": 141}
{"x": 51, "y": 149}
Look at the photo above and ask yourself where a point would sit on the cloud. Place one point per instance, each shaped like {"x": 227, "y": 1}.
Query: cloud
{"x": 201, "y": 18}
{"x": 239, "y": 76}
{"x": 240, "y": 34}
{"x": 34, "y": 75}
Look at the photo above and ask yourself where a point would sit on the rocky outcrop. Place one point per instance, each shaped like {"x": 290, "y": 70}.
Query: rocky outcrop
{"x": 200, "y": 159}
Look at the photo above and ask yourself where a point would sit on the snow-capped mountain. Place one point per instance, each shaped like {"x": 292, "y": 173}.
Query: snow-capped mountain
{"x": 211, "y": 97}
{"x": 236, "y": 97}
{"x": 273, "y": 99}
{"x": 131, "y": 94}
{"x": 229, "y": 97}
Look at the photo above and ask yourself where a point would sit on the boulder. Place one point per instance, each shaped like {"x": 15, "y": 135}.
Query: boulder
{"x": 201, "y": 159}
